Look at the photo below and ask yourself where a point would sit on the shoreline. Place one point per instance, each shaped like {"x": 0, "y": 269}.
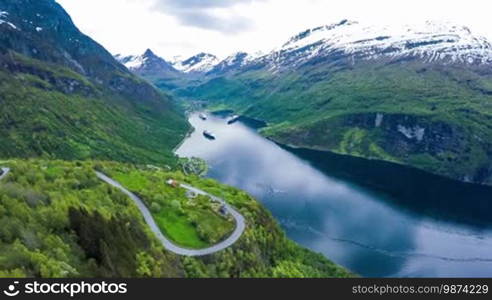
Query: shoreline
{"x": 187, "y": 135}
{"x": 376, "y": 160}
{"x": 303, "y": 147}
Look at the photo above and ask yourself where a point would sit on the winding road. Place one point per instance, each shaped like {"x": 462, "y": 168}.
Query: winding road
{"x": 5, "y": 171}
{"x": 238, "y": 231}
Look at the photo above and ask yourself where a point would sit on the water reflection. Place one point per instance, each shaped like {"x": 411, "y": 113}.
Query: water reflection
{"x": 413, "y": 189}
{"x": 364, "y": 229}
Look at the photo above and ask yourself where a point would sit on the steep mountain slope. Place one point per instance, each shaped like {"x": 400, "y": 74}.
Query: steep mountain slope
{"x": 418, "y": 95}
{"x": 63, "y": 95}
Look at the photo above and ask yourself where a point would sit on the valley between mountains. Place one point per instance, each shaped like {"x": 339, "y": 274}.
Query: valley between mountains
{"x": 415, "y": 95}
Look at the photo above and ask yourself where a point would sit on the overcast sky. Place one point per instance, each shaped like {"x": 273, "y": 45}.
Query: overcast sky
{"x": 221, "y": 27}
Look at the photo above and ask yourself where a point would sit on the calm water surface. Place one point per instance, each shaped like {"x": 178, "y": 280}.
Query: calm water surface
{"x": 376, "y": 219}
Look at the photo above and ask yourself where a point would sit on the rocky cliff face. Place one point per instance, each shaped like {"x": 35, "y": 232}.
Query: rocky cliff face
{"x": 453, "y": 150}
{"x": 432, "y": 144}
{"x": 408, "y": 134}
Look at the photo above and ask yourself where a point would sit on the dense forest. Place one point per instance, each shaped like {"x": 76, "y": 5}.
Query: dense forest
{"x": 60, "y": 220}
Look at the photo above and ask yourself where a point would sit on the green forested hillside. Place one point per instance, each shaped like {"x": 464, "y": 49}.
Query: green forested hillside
{"x": 50, "y": 111}
{"x": 60, "y": 220}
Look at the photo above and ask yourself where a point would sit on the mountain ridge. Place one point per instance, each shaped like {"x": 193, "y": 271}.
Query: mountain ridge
{"x": 49, "y": 34}
{"x": 430, "y": 41}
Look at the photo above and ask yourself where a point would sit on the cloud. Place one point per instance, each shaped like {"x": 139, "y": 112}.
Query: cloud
{"x": 221, "y": 27}
{"x": 204, "y": 14}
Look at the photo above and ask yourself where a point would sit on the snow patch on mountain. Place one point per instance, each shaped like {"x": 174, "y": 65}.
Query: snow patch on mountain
{"x": 239, "y": 58}
{"x": 431, "y": 41}
{"x": 234, "y": 62}
{"x": 147, "y": 64}
{"x": 200, "y": 63}
{"x": 132, "y": 61}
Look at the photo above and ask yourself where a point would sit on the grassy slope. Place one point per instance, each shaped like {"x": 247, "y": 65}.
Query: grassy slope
{"x": 40, "y": 116}
{"x": 59, "y": 220}
{"x": 336, "y": 110}
{"x": 192, "y": 223}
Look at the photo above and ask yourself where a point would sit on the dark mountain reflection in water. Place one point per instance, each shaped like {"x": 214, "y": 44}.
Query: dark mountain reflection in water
{"x": 377, "y": 219}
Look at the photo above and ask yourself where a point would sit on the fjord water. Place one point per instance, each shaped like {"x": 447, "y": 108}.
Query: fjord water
{"x": 375, "y": 218}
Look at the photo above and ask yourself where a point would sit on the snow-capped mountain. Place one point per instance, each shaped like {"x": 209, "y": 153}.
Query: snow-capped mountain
{"x": 343, "y": 43}
{"x": 440, "y": 42}
{"x": 348, "y": 42}
{"x": 233, "y": 62}
{"x": 200, "y": 63}
{"x": 147, "y": 64}
{"x": 129, "y": 60}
